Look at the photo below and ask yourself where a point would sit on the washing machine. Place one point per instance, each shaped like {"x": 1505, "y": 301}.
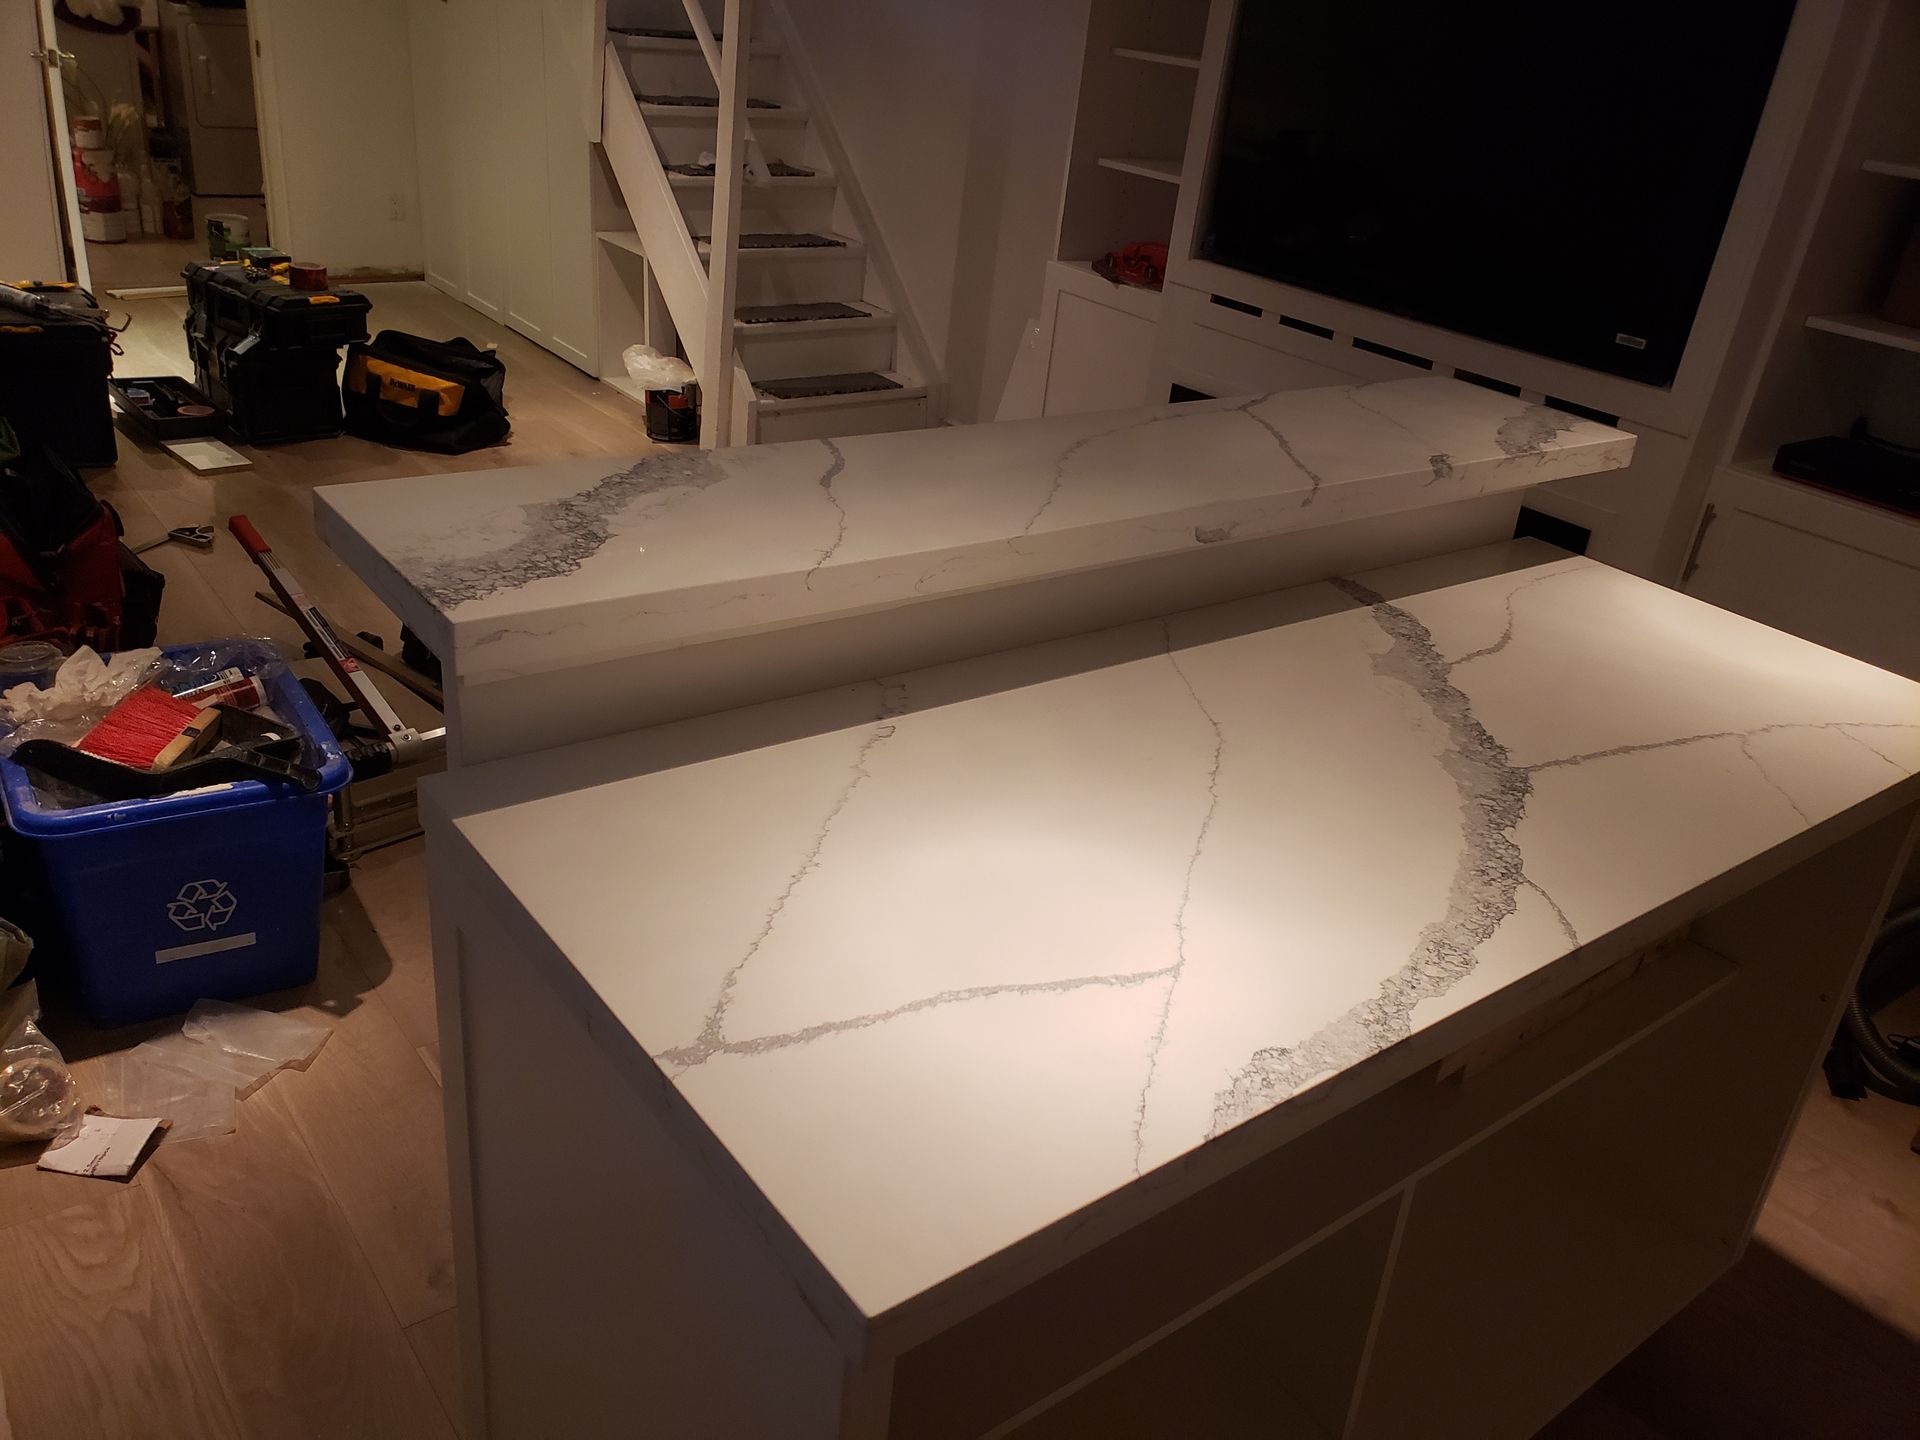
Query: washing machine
{"x": 206, "y": 65}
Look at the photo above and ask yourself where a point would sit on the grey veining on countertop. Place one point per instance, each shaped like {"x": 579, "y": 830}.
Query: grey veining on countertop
{"x": 943, "y": 959}
{"x": 507, "y": 572}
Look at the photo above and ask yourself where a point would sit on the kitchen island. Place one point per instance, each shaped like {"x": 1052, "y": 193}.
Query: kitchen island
{"x": 589, "y": 596}
{"x": 1213, "y": 987}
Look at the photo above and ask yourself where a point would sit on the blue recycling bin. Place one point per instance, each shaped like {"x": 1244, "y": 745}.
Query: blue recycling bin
{"x": 213, "y": 894}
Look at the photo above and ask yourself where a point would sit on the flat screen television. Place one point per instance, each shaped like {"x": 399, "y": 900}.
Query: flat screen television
{"x": 1550, "y": 177}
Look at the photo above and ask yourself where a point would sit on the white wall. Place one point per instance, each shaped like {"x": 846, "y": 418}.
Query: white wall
{"x": 960, "y": 138}
{"x": 334, "y": 81}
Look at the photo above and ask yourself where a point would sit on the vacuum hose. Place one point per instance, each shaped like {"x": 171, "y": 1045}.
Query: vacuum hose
{"x": 1887, "y": 1070}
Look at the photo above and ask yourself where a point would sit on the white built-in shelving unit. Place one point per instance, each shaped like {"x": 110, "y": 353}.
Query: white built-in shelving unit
{"x": 1138, "y": 77}
{"x": 1824, "y": 565}
{"x": 1870, "y": 328}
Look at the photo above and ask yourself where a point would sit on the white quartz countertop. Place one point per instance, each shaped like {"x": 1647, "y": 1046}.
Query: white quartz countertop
{"x": 942, "y": 959}
{"x": 520, "y": 571}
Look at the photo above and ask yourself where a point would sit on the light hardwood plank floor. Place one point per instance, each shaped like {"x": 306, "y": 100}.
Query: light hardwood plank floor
{"x": 295, "y": 1278}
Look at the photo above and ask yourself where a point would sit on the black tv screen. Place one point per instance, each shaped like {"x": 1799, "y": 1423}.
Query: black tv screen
{"x": 1550, "y": 177}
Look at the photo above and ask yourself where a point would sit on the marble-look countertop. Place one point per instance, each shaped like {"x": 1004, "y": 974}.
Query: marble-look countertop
{"x": 520, "y": 571}
{"x": 942, "y": 959}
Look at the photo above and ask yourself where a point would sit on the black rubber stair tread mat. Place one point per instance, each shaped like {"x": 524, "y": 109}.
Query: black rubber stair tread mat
{"x": 781, "y": 240}
{"x": 813, "y": 310}
{"x": 777, "y": 168}
{"x": 701, "y": 102}
{"x": 804, "y": 387}
{"x": 654, "y": 32}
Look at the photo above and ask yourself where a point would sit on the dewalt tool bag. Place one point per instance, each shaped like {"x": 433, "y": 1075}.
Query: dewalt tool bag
{"x": 443, "y": 395}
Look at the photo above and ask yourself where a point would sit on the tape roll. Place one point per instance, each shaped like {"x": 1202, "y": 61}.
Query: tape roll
{"x": 307, "y": 277}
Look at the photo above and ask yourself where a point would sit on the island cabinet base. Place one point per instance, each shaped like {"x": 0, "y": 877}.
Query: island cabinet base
{"x": 1458, "y": 1248}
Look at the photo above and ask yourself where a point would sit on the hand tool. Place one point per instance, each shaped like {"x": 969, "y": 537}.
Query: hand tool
{"x": 399, "y": 742}
{"x": 198, "y": 536}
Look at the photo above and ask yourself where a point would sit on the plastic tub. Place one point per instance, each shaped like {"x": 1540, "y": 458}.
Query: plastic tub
{"x": 212, "y": 894}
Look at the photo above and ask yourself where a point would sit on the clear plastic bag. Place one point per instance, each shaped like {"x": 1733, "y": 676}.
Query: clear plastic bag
{"x": 648, "y": 367}
{"x": 86, "y": 688}
{"x": 38, "y": 1097}
{"x": 194, "y": 1077}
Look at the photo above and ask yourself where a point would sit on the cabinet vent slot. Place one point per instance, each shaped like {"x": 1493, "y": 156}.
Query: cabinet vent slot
{"x": 1486, "y": 382}
{"x": 1227, "y": 302}
{"x": 1307, "y": 325}
{"x": 1586, "y": 412}
{"x": 1405, "y": 357}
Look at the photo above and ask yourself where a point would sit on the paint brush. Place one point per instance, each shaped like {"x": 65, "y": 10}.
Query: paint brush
{"x": 150, "y": 730}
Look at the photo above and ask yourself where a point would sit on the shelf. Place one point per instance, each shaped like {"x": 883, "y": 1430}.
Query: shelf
{"x": 1870, "y": 328}
{"x": 627, "y": 240}
{"x": 1159, "y": 57}
{"x": 1167, "y": 171}
{"x": 627, "y": 386}
{"x": 1898, "y": 168}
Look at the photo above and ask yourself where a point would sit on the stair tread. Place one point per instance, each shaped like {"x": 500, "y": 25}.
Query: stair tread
{"x": 805, "y": 311}
{"x": 708, "y": 114}
{"x": 778, "y": 169}
{"x": 782, "y": 240}
{"x": 666, "y": 38}
{"x": 816, "y": 387}
{"x": 699, "y": 102}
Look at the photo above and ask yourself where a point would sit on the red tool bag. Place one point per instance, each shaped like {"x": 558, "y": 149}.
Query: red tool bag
{"x": 59, "y": 559}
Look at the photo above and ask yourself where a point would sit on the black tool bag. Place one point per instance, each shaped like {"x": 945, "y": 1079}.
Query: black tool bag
{"x": 443, "y": 395}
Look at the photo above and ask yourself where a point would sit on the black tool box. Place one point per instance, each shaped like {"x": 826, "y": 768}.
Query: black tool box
{"x": 269, "y": 354}
{"x": 53, "y": 378}
{"x": 165, "y": 407}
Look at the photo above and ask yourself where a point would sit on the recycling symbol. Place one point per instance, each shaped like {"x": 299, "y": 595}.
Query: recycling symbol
{"x": 202, "y": 905}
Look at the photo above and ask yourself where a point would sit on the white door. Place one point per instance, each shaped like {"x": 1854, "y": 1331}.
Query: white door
{"x": 32, "y": 225}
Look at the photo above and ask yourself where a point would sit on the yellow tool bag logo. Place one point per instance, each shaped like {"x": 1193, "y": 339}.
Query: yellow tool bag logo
{"x": 415, "y": 389}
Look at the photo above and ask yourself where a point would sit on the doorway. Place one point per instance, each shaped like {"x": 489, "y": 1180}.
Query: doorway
{"x": 162, "y": 136}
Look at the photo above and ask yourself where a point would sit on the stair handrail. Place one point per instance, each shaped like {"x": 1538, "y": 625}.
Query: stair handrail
{"x": 665, "y": 240}
{"x": 723, "y": 244}
{"x": 800, "y": 71}
{"x": 710, "y": 48}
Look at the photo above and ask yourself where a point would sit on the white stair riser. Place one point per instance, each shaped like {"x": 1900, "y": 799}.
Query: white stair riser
{"x": 867, "y": 416}
{"x": 768, "y": 281}
{"x": 771, "y": 354}
{"x": 805, "y": 208}
{"x": 684, "y": 141}
{"x": 672, "y": 73}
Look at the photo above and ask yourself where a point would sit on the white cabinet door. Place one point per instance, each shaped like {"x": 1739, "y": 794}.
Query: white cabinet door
{"x": 32, "y": 243}
{"x": 572, "y": 34}
{"x": 1839, "y": 572}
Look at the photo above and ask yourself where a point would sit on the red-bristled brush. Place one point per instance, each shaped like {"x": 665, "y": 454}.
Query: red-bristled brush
{"x": 150, "y": 730}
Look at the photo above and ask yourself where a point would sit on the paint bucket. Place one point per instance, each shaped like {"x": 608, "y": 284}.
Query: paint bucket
{"x": 226, "y": 234}
{"x": 129, "y": 183}
{"x": 93, "y": 176}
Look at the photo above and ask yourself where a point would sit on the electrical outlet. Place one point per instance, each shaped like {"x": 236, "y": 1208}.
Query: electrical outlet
{"x": 396, "y": 206}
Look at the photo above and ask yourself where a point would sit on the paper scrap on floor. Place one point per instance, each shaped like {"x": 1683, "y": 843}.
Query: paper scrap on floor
{"x": 103, "y": 1146}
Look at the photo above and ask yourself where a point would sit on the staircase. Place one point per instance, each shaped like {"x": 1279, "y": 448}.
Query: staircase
{"x": 823, "y": 341}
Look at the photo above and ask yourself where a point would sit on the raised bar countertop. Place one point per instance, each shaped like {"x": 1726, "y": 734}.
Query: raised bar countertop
{"x": 519, "y": 571}
{"x": 944, "y": 959}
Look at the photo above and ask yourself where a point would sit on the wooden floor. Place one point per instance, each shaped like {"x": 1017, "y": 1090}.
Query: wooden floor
{"x": 294, "y": 1278}
{"x": 148, "y": 260}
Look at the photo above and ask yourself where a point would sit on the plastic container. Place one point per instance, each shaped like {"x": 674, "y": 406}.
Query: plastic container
{"x": 226, "y": 234}
{"x": 151, "y": 905}
{"x": 29, "y": 662}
